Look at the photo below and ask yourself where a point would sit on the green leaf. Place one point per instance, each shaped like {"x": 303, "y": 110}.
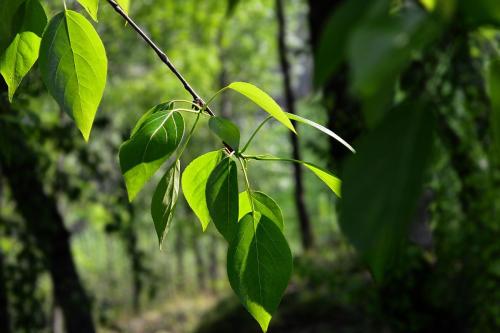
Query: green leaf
{"x": 91, "y": 6}
{"x": 320, "y": 128}
{"x": 222, "y": 197}
{"x": 164, "y": 201}
{"x": 382, "y": 184}
{"x": 73, "y": 65}
{"x": 263, "y": 204}
{"x": 22, "y": 53}
{"x": 259, "y": 266}
{"x": 493, "y": 82}
{"x": 226, "y": 130}
{"x": 167, "y": 106}
{"x": 326, "y": 176}
{"x": 8, "y": 19}
{"x": 145, "y": 152}
{"x": 125, "y": 5}
{"x": 194, "y": 184}
{"x": 263, "y": 100}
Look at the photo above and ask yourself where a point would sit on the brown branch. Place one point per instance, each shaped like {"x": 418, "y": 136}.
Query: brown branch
{"x": 163, "y": 57}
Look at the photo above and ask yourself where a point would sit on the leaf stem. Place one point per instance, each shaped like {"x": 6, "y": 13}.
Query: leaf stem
{"x": 247, "y": 183}
{"x": 255, "y": 133}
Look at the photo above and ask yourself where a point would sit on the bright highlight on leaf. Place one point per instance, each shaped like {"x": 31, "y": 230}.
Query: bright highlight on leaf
{"x": 194, "y": 184}
{"x": 259, "y": 266}
{"x": 321, "y": 128}
{"x": 262, "y": 99}
{"x": 91, "y": 6}
{"x": 226, "y": 130}
{"x": 164, "y": 201}
{"x": 222, "y": 197}
{"x": 73, "y": 65}
{"x": 263, "y": 204}
{"x": 145, "y": 152}
{"x": 327, "y": 177}
{"x": 22, "y": 52}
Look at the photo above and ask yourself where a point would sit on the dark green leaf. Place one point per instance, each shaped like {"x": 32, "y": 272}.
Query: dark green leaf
{"x": 145, "y": 152}
{"x": 22, "y": 53}
{"x": 263, "y": 204}
{"x": 160, "y": 107}
{"x": 226, "y": 130}
{"x": 259, "y": 266}
{"x": 194, "y": 184}
{"x": 222, "y": 197}
{"x": 164, "y": 201}
{"x": 382, "y": 184}
{"x": 74, "y": 65}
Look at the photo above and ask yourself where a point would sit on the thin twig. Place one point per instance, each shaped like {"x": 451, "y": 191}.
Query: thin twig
{"x": 163, "y": 57}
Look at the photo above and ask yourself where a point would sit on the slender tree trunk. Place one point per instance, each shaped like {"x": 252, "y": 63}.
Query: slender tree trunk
{"x": 42, "y": 218}
{"x": 306, "y": 232}
{"x": 200, "y": 264}
{"x": 179, "y": 255}
{"x": 130, "y": 237}
{"x": 4, "y": 304}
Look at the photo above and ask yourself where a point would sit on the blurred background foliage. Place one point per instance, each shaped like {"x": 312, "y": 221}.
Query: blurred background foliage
{"x": 350, "y": 63}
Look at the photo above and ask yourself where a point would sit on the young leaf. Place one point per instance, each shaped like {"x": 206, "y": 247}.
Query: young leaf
{"x": 22, "y": 53}
{"x": 259, "y": 266}
{"x": 91, "y": 6}
{"x": 145, "y": 152}
{"x": 326, "y": 176}
{"x": 226, "y": 130}
{"x": 164, "y": 201}
{"x": 194, "y": 184}
{"x": 321, "y": 128}
{"x": 73, "y": 65}
{"x": 263, "y": 204}
{"x": 263, "y": 100}
{"x": 382, "y": 184}
{"x": 222, "y": 197}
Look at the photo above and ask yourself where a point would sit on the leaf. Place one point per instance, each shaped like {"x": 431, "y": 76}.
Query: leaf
{"x": 22, "y": 53}
{"x": 493, "y": 82}
{"x": 167, "y": 106}
{"x": 125, "y": 5}
{"x": 164, "y": 201}
{"x": 263, "y": 100}
{"x": 320, "y": 128}
{"x": 263, "y": 204}
{"x": 382, "y": 184}
{"x": 259, "y": 266}
{"x": 222, "y": 197}
{"x": 226, "y": 130}
{"x": 91, "y": 6}
{"x": 8, "y": 18}
{"x": 73, "y": 65}
{"x": 194, "y": 184}
{"x": 326, "y": 176}
{"x": 144, "y": 153}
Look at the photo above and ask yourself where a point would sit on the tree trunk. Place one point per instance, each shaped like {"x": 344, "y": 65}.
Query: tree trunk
{"x": 213, "y": 268}
{"x": 179, "y": 255}
{"x": 4, "y": 304}
{"x": 306, "y": 232}
{"x": 42, "y": 218}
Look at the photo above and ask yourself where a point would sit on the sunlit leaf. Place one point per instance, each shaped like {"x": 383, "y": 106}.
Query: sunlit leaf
{"x": 194, "y": 184}
{"x": 160, "y": 107}
{"x": 125, "y": 4}
{"x": 91, "y": 6}
{"x": 263, "y": 204}
{"x": 145, "y": 152}
{"x": 164, "y": 201}
{"x": 22, "y": 53}
{"x": 259, "y": 266}
{"x": 382, "y": 184}
{"x": 320, "y": 128}
{"x": 262, "y": 99}
{"x": 226, "y": 130}
{"x": 326, "y": 176}
{"x": 73, "y": 65}
{"x": 222, "y": 197}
